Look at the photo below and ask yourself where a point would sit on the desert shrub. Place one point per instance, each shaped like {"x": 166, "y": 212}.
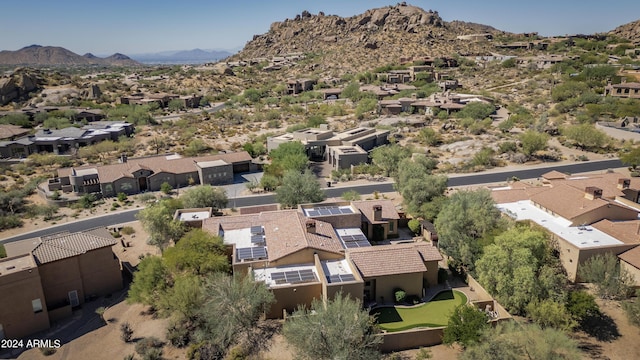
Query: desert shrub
{"x": 126, "y": 332}
{"x": 414, "y": 226}
{"x": 400, "y": 295}
{"x": 128, "y": 230}
{"x": 166, "y": 188}
{"x": 122, "y": 197}
{"x": 145, "y": 345}
{"x": 178, "y": 335}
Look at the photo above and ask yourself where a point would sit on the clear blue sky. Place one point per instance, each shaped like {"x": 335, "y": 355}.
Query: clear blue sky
{"x": 133, "y": 27}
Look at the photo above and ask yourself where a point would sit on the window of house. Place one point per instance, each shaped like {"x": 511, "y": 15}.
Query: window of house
{"x": 391, "y": 226}
{"x": 37, "y": 305}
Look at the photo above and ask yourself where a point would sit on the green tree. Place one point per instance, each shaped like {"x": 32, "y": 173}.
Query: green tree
{"x": 3, "y": 251}
{"x": 414, "y": 226}
{"x": 269, "y": 182}
{"x": 150, "y": 281}
{"x": 299, "y": 188}
{"x": 184, "y": 297}
{"x": 175, "y": 105}
{"x": 533, "y": 141}
{"x": 341, "y": 329}
{"x": 205, "y": 196}
{"x": 510, "y": 269}
{"x": 287, "y": 156}
{"x": 549, "y": 313}
{"x": 604, "y": 271}
{"x": 631, "y": 158}
{"x": 429, "y": 137}
{"x": 166, "y": 188}
{"x": 351, "y": 91}
{"x": 511, "y": 340}
{"x": 233, "y": 306}
{"x": 388, "y": 157}
{"x": 157, "y": 220}
{"x": 464, "y": 220}
{"x": 465, "y": 326}
{"x": 586, "y": 137}
{"x": 581, "y": 304}
{"x": 476, "y": 111}
{"x": 198, "y": 253}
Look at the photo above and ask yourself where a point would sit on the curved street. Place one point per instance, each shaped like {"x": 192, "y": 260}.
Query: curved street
{"x": 454, "y": 181}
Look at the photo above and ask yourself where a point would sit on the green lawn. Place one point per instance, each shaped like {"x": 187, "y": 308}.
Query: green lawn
{"x": 435, "y": 313}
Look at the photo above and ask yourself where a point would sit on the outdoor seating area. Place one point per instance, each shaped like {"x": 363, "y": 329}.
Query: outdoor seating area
{"x": 434, "y": 313}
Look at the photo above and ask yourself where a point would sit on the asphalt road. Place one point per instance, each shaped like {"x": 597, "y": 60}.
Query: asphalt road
{"x": 456, "y": 180}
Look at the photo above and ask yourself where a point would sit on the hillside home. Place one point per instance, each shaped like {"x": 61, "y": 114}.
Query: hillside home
{"x": 585, "y": 215}
{"x": 341, "y": 149}
{"x": 61, "y": 141}
{"x": 43, "y": 279}
{"x": 319, "y": 249}
{"x": 623, "y": 90}
{"x": 132, "y": 176}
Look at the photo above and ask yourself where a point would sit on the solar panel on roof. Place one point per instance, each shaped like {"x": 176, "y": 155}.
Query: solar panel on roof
{"x": 335, "y": 211}
{"x": 334, "y": 278}
{"x": 347, "y": 277}
{"x": 346, "y": 211}
{"x": 256, "y": 229}
{"x": 313, "y": 213}
{"x": 277, "y": 276}
{"x": 359, "y": 237}
{"x": 252, "y": 253}
{"x": 363, "y": 243}
{"x": 324, "y": 212}
{"x": 351, "y": 244}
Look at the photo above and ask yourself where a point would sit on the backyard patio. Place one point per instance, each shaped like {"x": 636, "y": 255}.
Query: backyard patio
{"x": 434, "y": 313}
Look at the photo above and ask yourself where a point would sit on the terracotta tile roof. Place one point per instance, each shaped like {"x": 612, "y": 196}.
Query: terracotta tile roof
{"x": 607, "y": 182}
{"x": 626, "y": 231}
{"x": 568, "y": 201}
{"x": 389, "y": 211}
{"x": 285, "y": 231}
{"x": 516, "y": 194}
{"x": 428, "y": 252}
{"x": 68, "y": 245}
{"x": 10, "y": 131}
{"x": 387, "y": 260}
{"x": 632, "y": 257}
{"x": 554, "y": 175}
{"x": 110, "y": 173}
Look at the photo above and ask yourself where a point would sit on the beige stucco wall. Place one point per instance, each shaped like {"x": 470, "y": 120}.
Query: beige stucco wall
{"x": 60, "y": 277}
{"x": 632, "y": 270}
{"x": 100, "y": 272}
{"x": 431, "y": 275}
{"x": 385, "y": 285}
{"x": 291, "y": 296}
{"x": 605, "y": 212}
{"x": 411, "y": 339}
{"x": 17, "y": 290}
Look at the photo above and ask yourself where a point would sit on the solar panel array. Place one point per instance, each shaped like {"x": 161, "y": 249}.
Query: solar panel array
{"x": 252, "y": 253}
{"x": 355, "y": 241}
{"x": 293, "y": 277}
{"x": 328, "y": 210}
{"x": 257, "y": 239}
{"x": 341, "y": 278}
{"x": 257, "y": 230}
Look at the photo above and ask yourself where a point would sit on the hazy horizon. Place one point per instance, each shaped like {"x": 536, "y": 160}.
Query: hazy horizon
{"x": 134, "y": 28}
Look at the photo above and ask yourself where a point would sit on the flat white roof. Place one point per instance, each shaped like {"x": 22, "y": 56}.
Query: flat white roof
{"x": 582, "y": 237}
{"x": 240, "y": 237}
{"x": 336, "y": 267}
{"x": 91, "y": 171}
{"x": 196, "y": 215}
{"x": 267, "y": 275}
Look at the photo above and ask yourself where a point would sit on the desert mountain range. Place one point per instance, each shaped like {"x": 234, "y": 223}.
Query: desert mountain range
{"x": 376, "y": 37}
{"x": 52, "y": 55}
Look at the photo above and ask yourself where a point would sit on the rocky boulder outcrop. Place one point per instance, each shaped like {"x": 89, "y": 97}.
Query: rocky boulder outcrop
{"x": 17, "y": 86}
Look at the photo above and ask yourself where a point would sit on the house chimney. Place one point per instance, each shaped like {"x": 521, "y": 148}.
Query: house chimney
{"x": 311, "y": 226}
{"x": 123, "y": 158}
{"x": 592, "y": 192}
{"x": 377, "y": 213}
{"x": 623, "y": 183}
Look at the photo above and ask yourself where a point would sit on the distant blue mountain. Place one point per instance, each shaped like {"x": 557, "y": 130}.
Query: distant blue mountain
{"x": 195, "y": 56}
